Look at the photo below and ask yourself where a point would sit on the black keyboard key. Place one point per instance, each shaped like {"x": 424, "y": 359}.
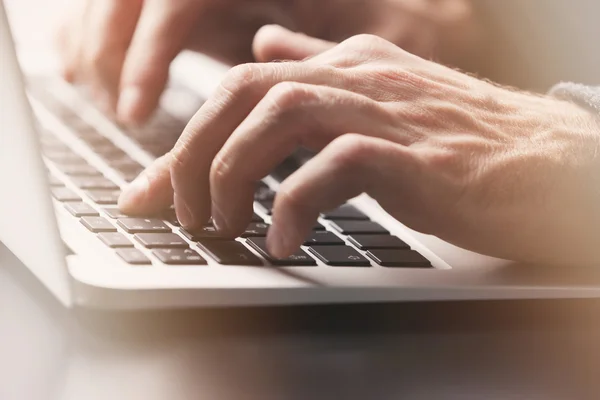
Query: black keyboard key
{"x": 65, "y": 158}
{"x": 257, "y": 218}
{"x": 97, "y": 224}
{"x": 171, "y": 217}
{"x": 358, "y": 227}
{"x": 161, "y": 240}
{"x": 111, "y": 152}
{"x": 318, "y": 227}
{"x": 286, "y": 168}
{"x": 114, "y": 212}
{"x": 94, "y": 139}
{"x": 322, "y": 238}
{"x": 229, "y": 252}
{"x": 54, "y": 181}
{"x": 57, "y": 152}
{"x": 114, "y": 240}
{"x": 129, "y": 176}
{"x": 345, "y": 211}
{"x": 263, "y": 192}
{"x": 124, "y": 166}
{"x": 143, "y": 225}
{"x": 267, "y": 206}
{"x": 64, "y": 194}
{"x": 261, "y": 185}
{"x": 79, "y": 170}
{"x": 80, "y": 127}
{"x": 367, "y": 242}
{"x": 300, "y": 258}
{"x": 94, "y": 182}
{"x": 179, "y": 257}
{"x": 50, "y": 143}
{"x": 124, "y": 163}
{"x": 133, "y": 256}
{"x": 80, "y": 209}
{"x": 207, "y": 232}
{"x": 156, "y": 149}
{"x": 339, "y": 256}
{"x": 256, "y": 229}
{"x": 103, "y": 148}
{"x": 104, "y": 196}
{"x": 399, "y": 258}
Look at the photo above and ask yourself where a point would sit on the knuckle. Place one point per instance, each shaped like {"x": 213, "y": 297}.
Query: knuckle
{"x": 366, "y": 41}
{"x": 241, "y": 78}
{"x": 219, "y": 169}
{"x": 452, "y": 159}
{"x": 350, "y": 151}
{"x": 286, "y": 96}
{"x": 179, "y": 160}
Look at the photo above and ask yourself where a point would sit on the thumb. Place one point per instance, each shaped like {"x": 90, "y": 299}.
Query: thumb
{"x": 274, "y": 42}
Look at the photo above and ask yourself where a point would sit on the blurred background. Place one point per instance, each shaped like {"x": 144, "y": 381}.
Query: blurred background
{"x": 529, "y": 44}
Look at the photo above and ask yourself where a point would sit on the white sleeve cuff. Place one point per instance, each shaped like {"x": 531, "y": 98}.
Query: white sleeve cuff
{"x": 586, "y": 96}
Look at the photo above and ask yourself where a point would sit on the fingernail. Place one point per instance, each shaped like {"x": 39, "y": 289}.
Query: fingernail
{"x": 276, "y": 242}
{"x": 128, "y": 106}
{"x": 134, "y": 193}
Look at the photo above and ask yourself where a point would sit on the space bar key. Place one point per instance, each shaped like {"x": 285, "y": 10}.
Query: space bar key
{"x": 229, "y": 252}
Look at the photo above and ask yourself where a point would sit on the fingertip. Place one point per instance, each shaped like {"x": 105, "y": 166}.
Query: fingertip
{"x": 67, "y": 73}
{"x": 277, "y": 242}
{"x": 288, "y": 231}
{"x": 266, "y": 41}
{"x": 133, "y": 198}
{"x": 270, "y": 32}
{"x": 274, "y": 42}
{"x": 134, "y": 106}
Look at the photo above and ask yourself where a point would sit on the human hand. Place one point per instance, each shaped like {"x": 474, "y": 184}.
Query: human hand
{"x": 123, "y": 48}
{"x": 496, "y": 171}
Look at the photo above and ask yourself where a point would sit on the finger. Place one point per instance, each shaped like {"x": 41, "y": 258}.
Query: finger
{"x": 273, "y": 42}
{"x": 290, "y": 115}
{"x": 151, "y": 192}
{"x": 347, "y": 167}
{"x": 161, "y": 33}
{"x": 209, "y": 129}
{"x": 108, "y": 33}
{"x": 69, "y": 39}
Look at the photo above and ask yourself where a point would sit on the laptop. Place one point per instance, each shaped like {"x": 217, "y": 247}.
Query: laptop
{"x": 63, "y": 163}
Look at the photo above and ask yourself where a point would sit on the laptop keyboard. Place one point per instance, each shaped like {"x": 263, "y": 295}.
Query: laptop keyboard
{"x": 343, "y": 237}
